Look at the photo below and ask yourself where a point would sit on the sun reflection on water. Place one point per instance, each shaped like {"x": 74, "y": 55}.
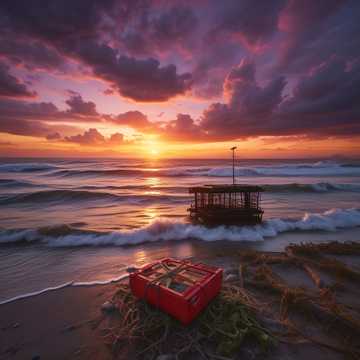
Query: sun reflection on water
{"x": 153, "y": 181}
{"x": 151, "y": 213}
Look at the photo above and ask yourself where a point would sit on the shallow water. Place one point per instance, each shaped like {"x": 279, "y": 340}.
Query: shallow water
{"x": 51, "y": 208}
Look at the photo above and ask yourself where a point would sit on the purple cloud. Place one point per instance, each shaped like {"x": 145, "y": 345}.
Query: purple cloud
{"x": 134, "y": 119}
{"x": 80, "y": 107}
{"x": 10, "y": 86}
{"x": 93, "y": 137}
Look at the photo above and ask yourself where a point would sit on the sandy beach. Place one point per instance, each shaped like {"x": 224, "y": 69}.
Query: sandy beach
{"x": 69, "y": 322}
{"x": 59, "y": 324}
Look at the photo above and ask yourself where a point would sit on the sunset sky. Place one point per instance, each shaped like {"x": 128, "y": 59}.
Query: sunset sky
{"x": 138, "y": 78}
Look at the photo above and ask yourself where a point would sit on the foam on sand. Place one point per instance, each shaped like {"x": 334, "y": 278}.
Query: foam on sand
{"x": 67, "y": 284}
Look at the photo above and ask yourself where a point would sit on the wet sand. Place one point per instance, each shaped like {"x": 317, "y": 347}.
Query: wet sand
{"x": 67, "y": 323}
{"x": 59, "y": 324}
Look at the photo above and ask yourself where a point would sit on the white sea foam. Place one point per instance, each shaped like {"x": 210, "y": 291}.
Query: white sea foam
{"x": 101, "y": 282}
{"x": 166, "y": 230}
{"x": 35, "y": 293}
{"x": 70, "y": 283}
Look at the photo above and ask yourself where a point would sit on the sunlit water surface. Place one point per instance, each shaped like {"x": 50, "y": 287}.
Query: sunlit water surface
{"x": 86, "y": 220}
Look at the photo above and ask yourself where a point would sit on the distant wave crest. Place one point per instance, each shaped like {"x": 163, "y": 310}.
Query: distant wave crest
{"x": 26, "y": 167}
{"x": 315, "y": 187}
{"x": 165, "y": 230}
{"x": 164, "y": 195}
{"x": 322, "y": 168}
{"x": 60, "y": 196}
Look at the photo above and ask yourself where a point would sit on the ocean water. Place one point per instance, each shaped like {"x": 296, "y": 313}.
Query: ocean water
{"x": 82, "y": 221}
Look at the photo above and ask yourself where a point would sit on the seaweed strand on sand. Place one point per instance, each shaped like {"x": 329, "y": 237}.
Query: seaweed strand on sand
{"x": 257, "y": 309}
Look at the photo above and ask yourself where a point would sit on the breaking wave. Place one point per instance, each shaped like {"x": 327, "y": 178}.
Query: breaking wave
{"x": 165, "y": 230}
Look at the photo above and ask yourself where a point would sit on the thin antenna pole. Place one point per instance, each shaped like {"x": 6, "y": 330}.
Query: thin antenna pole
{"x": 233, "y": 163}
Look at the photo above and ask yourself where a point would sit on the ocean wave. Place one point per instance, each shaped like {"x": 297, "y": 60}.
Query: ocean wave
{"x": 101, "y": 172}
{"x": 12, "y": 183}
{"x": 26, "y": 167}
{"x": 286, "y": 170}
{"x": 165, "y": 230}
{"x": 316, "y": 187}
{"x": 60, "y": 196}
{"x": 321, "y": 168}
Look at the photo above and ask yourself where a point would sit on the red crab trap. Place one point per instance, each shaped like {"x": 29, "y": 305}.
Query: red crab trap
{"x": 179, "y": 288}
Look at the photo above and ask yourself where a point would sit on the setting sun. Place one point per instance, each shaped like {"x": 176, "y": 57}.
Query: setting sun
{"x": 154, "y": 152}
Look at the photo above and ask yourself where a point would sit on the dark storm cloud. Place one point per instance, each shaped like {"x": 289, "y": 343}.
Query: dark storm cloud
{"x": 254, "y": 22}
{"x": 54, "y": 20}
{"x": 75, "y": 28}
{"x": 160, "y": 30}
{"x": 31, "y": 54}
{"x": 80, "y": 107}
{"x": 10, "y": 86}
{"x": 324, "y": 103}
{"x": 249, "y": 106}
{"x": 302, "y": 77}
{"x": 139, "y": 79}
{"x": 316, "y": 30}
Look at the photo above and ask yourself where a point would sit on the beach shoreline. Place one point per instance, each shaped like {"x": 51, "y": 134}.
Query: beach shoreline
{"x": 68, "y": 322}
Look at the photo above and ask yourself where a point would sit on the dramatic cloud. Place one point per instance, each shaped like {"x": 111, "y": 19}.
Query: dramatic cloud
{"x": 18, "y": 109}
{"x": 134, "y": 78}
{"x": 323, "y": 103}
{"x": 57, "y": 20}
{"x": 73, "y": 28}
{"x": 79, "y": 110}
{"x": 315, "y": 31}
{"x": 31, "y": 54}
{"x": 93, "y": 137}
{"x": 134, "y": 119}
{"x": 253, "y": 23}
{"x": 160, "y": 30}
{"x": 183, "y": 128}
{"x": 326, "y": 102}
{"x": 278, "y": 68}
{"x": 89, "y": 137}
{"x": 10, "y": 86}
{"x": 21, "y": 117}
{"x": 249, "y": 107}
{"x": 80, "y": 107}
